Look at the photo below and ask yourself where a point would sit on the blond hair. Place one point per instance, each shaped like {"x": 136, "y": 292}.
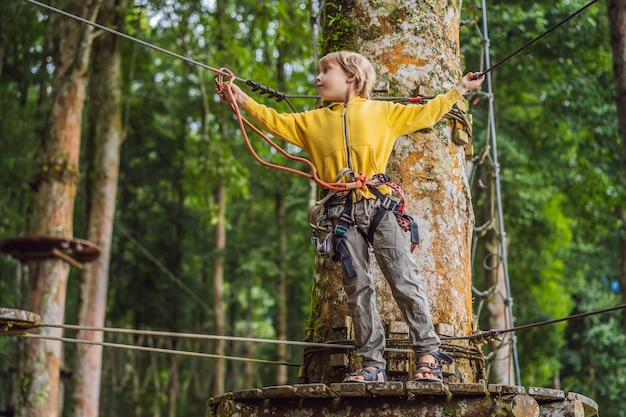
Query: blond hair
{"x": 357, "y": 66}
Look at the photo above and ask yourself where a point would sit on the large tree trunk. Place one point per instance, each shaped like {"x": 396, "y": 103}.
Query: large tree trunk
{"x": 414, "y": 46}
{"x": 103, "y": 156}
{"x": 57, "y": 180}
{"x": 617, "y": 24}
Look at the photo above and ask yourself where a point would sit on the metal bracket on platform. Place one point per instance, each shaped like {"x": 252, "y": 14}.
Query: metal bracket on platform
{"x": 17, "y": 322}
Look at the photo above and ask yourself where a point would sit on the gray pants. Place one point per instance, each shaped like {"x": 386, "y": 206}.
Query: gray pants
{"x": 393, "y": 254}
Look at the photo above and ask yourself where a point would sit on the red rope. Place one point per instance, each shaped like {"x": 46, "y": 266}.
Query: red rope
{"x": 359, "y": 182}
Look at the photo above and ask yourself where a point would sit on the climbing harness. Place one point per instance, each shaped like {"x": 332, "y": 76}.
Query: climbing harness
{"x": 388, "y": 203}
{"x": 332, "y": 244}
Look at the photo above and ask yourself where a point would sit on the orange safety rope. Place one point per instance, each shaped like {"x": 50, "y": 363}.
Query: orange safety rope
{"x": 359, "y": 182}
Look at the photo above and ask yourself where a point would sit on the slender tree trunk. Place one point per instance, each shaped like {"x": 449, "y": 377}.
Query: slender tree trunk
{"x": 414, "y": 46}
{"x": 57, "y": 180}
{"x": 489, "y": 255}
{"x": 617, "y": 24}
{"x": 281, "y": 297}
{"x": 218, "y": 369}
{"x": 104, "y": 140}
{"x": 501, "y": 371}
{"x": 173, "y": 386}
{"x": 249, "y": 367}
{"x": 136, "y": 385}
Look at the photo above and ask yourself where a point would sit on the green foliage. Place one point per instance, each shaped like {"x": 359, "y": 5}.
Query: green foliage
{"x": 594, "y": 358}
{"x": 562, "y": 180}
{"x": 339, "y": 29}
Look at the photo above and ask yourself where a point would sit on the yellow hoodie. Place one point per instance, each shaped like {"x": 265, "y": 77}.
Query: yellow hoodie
{"x": 359, "y": 134}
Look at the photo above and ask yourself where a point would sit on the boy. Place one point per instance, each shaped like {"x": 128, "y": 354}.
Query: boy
{"x": 356, "y": 133}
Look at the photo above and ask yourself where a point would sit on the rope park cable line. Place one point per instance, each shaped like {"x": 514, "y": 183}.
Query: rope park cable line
{"x": 479, "y": 337}
{"x": 222, "y": 73}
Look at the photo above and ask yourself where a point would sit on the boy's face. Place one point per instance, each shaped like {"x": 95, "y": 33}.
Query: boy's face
{"x": 333, "y": 84}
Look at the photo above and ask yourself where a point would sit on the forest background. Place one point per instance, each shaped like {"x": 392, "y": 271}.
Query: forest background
{"x": 561, "y": 173}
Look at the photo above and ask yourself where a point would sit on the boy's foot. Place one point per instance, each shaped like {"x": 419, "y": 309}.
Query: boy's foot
{"x": 429, "y": 367}
{"x": 367, "y": 374}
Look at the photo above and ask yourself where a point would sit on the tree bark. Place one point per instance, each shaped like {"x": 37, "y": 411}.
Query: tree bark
{"x": 103, "y": 154}
{"x": 414, "y": 46}
{"x": 57, "y": 180}
{"x": 617, "y": 26}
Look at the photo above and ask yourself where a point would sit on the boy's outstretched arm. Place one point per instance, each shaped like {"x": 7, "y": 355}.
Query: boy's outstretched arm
{"x": 470, "y": 82}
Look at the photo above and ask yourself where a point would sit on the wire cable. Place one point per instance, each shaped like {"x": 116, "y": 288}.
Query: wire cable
{"x": 157, "y": 350}
{"x": 197, "y": 336}
{"x": 130, "y": 38}
{"x": 479, "y": 337}
{"x": 495, "y": 333}
{"x": 532, "y": 41}
{"x": 160, "y": 333}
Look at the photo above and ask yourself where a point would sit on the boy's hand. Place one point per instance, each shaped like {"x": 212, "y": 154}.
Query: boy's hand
{"x": 470, "y": 81}
{"x": 233, "y": 90}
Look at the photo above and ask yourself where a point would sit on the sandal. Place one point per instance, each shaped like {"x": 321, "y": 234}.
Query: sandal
{"x": 369, "y": 374}
{"x": 432, "y": 368}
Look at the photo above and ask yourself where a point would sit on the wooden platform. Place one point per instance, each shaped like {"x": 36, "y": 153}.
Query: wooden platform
{"x": 74, "y": 251}
{"x": 391, "y": 399}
